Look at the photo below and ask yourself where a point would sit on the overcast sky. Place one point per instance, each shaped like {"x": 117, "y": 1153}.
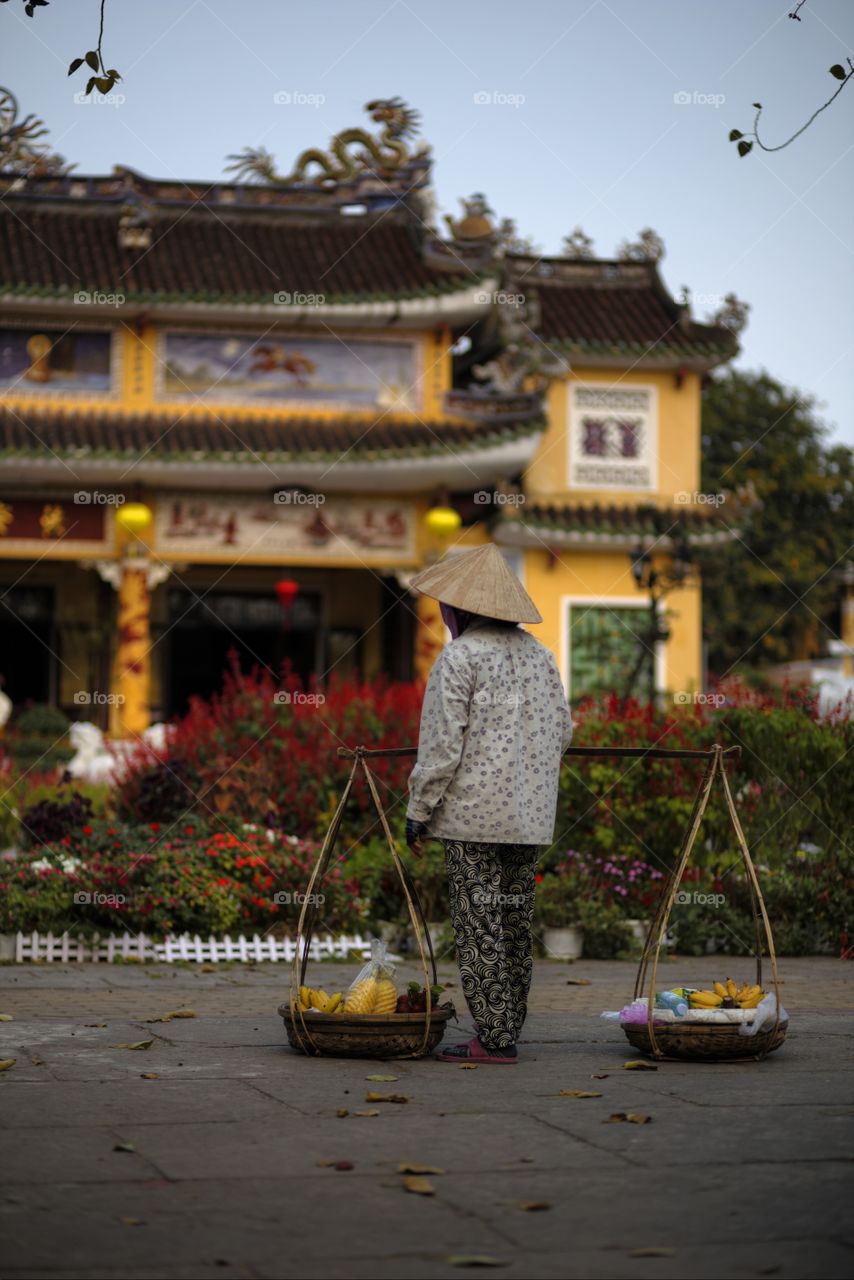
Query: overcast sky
{"x": 612, "y": 115}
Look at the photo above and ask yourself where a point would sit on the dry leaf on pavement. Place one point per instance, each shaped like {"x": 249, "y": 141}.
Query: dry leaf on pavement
{"x": 629, "y": 1117}
{"x": 578, "y": 1093}
{"x": 6, "y": 1063}
{"x": 137, "y": 1044}
{"x": 384, "y": 1079}
{"x": 419, "y": 1186}
{"x": 639, "y": 1064}
{"x": 385, "y": 1097}
{"x": 408, "y": 1167}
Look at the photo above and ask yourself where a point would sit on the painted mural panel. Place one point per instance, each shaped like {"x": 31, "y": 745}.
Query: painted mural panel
{"x": 275, "y": 370}
{"x": 238, "y": 525}
{"x": 54, "y": 360}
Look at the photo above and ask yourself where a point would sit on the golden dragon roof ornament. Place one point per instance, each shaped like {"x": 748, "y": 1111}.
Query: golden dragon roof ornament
{"x": 352, "y": 151}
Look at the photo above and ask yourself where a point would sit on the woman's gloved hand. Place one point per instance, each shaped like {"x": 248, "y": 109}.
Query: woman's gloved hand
{"x": 414, "y": 832}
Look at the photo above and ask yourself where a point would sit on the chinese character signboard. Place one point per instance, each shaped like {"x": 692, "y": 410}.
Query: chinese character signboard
{"x": 49, "y": 526}
{"x": 613, "y": 433}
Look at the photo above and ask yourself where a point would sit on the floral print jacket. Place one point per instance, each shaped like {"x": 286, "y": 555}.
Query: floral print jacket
{"x": 494, "y": 725}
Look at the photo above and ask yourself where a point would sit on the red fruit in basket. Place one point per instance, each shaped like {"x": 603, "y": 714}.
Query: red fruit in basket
{"x": 402, "y": 1005}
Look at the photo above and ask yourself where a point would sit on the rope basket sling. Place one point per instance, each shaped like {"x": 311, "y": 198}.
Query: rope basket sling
{"x": 697, "y": 1040}
{"x": 391, "y": 1035}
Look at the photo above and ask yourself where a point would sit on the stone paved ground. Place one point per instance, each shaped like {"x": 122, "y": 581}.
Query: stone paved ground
{"x": 744, "y": 1169}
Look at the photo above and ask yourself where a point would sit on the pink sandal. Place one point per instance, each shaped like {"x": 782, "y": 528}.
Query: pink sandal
{"x": 475, "y": 1052}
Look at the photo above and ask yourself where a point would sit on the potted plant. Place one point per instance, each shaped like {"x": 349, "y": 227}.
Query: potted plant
{"x": 556, "y": 915}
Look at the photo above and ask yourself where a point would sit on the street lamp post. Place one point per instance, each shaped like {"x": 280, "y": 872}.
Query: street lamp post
{"x": 658, "y": 582}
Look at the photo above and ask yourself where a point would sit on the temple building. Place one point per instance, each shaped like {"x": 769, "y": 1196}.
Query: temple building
{"x": 241, "y": 415}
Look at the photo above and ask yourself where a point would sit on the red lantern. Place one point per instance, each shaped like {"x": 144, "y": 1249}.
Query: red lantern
{"x": 287, "y": 591}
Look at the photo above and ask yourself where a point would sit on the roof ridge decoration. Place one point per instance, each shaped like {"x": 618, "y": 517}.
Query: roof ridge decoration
{"x": 384, "y": 156}
{"x": 20, "y": 152}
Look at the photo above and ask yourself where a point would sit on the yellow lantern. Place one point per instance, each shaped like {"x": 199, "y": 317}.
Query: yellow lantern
{"x": 134, "y": 517}
{"x": 442, "y": 521}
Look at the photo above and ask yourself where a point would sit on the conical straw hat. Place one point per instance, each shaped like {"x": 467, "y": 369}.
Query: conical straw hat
{"x": 478, "y": 581}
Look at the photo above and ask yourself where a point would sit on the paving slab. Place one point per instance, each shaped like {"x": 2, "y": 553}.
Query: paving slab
{"x": 744, "y": 1169}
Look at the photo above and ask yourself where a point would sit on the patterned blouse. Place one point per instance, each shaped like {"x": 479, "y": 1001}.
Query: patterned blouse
{"x": 494, "y": 726}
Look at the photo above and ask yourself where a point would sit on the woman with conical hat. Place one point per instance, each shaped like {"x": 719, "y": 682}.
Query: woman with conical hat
{"x": 494, "y": 725}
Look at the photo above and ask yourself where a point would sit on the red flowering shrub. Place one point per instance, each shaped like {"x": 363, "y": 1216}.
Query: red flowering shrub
{"x": 266, "y": 751}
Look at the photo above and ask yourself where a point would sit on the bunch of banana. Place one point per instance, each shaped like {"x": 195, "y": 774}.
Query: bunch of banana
{"x": 372, "y": 995}
{"x": 309, "y": 998}
{"x": 727, "y": 995}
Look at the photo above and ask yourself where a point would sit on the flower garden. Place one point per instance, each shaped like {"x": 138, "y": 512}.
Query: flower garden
{"x": 217, "y": 833}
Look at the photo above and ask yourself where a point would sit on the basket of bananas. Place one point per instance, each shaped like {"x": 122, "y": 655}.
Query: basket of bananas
{"x": 371, "y": 1019}
{"x": 726, "y": 1021}
{"x": 729, "y": 1020}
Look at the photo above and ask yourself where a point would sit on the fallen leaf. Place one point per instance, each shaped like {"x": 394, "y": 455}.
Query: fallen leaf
{"x": 137, "y": 1044}
{"x": 468, "y": 1066}
{"x": 384, "y": 1079}
{"x": 124, "y": 1146}
{"x": 175, "y": 1013}
{"x": 526, "y": 1160}
{"x": 6, "y": 1063}
{"x": 36, "y": 1060}
{"x": 419, "y": 1186}
{"x": 474, "y": 1260}
{"x": 150, "y": 1075}
{"x": 631, "y": 1117}
{"x": 408, "y": 1167}
{"x": 578, "y": 1093}
{"x": 639, "y": 1064}
{"x": 599, "y": 1075}
{"x": 343, "y": 1165}
{"x": 6, "y": 1017}
{"x": 94, "y": 1024}
{"x": 653, "y": 1251}
{"x": 385, "y": 1097}
{"x": 207, "y": 968}
{"x": 533, "y": 1206}
{"x": 342, "y": 1112}
{"x": 578, "y": 982}
{"x": 132, "y": 1222}
{"x": 366, "y": 1113}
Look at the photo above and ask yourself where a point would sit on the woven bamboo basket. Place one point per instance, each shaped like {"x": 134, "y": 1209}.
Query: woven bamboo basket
{"x": 712, "y": 1041}
{"x": 392, "y": 1035}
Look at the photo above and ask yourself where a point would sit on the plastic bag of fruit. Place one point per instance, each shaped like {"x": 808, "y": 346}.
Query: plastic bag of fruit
{"x": 373, "y": 990}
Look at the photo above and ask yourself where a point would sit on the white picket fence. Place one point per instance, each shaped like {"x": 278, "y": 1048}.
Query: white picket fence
{"x": 62, "y": 948}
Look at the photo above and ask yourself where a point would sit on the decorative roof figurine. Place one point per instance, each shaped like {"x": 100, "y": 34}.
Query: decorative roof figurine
{"x": 476, "y": 222}
{"x": 382, "y": 156}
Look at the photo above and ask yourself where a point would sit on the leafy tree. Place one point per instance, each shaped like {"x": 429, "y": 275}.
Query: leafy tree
{"x": 771, "y": 594}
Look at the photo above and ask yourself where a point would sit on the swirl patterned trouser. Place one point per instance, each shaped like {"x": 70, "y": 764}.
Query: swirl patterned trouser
{"x": 492, "y": 902}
